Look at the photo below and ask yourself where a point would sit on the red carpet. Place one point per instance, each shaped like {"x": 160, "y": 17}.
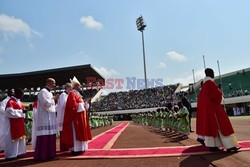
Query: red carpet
{"x": 155, "y": 152}
{"x": 98, "y": 142}
{"x": 143, "y": 152}
{"x": 99, "y": 148}
{"x": 102, "y": 140}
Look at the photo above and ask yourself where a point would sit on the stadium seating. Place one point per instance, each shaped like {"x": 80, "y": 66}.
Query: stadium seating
{"x": 136, "y": 99}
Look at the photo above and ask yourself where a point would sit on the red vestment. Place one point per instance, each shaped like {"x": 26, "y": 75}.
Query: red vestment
{"x": 211, "y": 115}
{"x": 79, "y": 119}
{"x": 17, "y": 126}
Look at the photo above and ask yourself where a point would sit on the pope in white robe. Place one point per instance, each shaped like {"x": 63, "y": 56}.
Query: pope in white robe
{"x": 76, "y": 129}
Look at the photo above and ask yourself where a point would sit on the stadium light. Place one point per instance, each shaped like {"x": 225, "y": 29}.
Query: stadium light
{"x": 140, "y": 27}
{"x": 194, "y": 86}
{"x": 221, "y": 86}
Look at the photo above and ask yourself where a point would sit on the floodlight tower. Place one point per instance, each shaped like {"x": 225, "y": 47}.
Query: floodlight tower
{"x": 141, "y": 26}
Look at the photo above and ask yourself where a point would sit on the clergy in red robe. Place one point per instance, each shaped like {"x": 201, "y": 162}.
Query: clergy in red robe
{"x": 212, "y": 120}
{"x": 14, "y": 127}
{"x": 76, "y": 128}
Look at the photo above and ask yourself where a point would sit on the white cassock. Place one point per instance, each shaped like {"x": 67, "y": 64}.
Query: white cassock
{"x": 46, "y": 114}
{"x": 2, "y": 121}
{"x": 60, "y": 109}
{"x": 34, "y": 120}
{"x": 86, "y": 105}
{"x": 16, "y": 147}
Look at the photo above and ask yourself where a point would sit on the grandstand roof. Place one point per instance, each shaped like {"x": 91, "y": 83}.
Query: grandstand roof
{"x": 37, "y": 79}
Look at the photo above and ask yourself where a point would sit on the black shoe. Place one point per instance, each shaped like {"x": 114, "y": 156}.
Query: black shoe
{"x": 214, "y": 149}
{"x": 191, "y": 131}
{"x": 21, "y": 156}
{"x": 76, "y": 153}
{"x": 11, "y": 159}
{"x": 233, "y": 149}
{"x": 201, "y": 141}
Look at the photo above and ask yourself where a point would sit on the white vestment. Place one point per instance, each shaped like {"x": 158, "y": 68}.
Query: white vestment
{"x": 46, "y": 114}
{"x": 18, "y": 146}
{"x": 60, "y": 109}
{"x": 34, "y": 120}
{"x": 2, "y": 121}
{"x": 78, "y": 145}
{"x": 221, "y": 140}
{"x": 86, "y": 105}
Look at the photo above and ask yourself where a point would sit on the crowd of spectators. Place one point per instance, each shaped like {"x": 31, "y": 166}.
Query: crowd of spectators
{"x": 237, "y": 93}
{"x": 136, "y": 99}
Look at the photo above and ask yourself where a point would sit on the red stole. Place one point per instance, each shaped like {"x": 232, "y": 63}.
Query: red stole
{"x": 211, "y": 116}
{"x": 80, "y": 120}
{"x": 17, "y": 126}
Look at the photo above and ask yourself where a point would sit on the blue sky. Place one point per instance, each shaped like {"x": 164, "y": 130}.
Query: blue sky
{"x": 46, "y": 34}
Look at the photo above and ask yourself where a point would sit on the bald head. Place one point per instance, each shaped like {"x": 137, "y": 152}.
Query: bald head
{"x": 50, "y": 83}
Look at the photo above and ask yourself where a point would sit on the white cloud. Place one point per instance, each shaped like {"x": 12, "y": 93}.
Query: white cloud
{"x": 106, "y": 73}
{"x": 173, "y": 55}
{"x": 187, "y": 79}
{"x": 91, "y": 23}
{"x": 162, "y": 65}
{"x": 10, "y": 26}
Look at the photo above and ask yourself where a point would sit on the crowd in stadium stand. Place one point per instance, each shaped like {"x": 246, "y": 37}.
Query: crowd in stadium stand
{"x": 88, "y": 93}
{"x": 136, "y": 99}
{"x": 237, "y": 93}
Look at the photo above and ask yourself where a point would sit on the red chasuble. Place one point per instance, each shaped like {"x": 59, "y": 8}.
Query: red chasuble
{"x": 80, "y": 120}
{"x": 17, "y": 126}
{"x": 211, "y": 115}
